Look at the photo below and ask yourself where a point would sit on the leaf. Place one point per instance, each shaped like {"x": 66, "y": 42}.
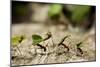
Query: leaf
{"x": 55, "y": 9}
{"x": 36, "y": 39}
{"x": 17, "y": 39}
{"x": 79, "y": 13}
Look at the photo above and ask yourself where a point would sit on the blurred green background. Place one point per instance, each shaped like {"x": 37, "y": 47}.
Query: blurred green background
{"x": 81, "y": 16}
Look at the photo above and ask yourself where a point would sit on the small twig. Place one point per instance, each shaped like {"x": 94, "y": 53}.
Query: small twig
{"x": 18, "y": 49}
{"x": 52, "y": 41}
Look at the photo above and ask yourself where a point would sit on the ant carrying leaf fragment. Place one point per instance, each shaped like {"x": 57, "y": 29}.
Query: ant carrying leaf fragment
{"x": 37, "y": 39}
{"x": 63, "y": 39}
{"x": 17, "y": 40}
{"x": 61, "y": 43}
{"x": 78, "y": 48}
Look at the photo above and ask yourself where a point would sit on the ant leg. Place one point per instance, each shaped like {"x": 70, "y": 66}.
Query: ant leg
{"x": 42, "y": 47}
{"x": 65, "y": 46}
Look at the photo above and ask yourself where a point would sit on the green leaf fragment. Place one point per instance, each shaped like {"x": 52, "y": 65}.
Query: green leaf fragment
{"x": 37, "y": 39}
{"x": 55, "y": 9}
{"x": 17, "y": 39}
{"x": 79, "y": 13}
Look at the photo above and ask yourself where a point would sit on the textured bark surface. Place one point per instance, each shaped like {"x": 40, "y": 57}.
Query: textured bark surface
{"x": 28, "y": 54}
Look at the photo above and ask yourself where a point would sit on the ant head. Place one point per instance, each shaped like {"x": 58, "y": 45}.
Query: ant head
{"x": 49, "y": 33}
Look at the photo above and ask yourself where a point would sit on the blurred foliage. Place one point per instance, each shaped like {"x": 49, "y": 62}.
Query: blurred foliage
{"x": 19, "y": 8}
{"x": 55, "y": 9}
{"x": 36, "y": 39}
{"x": 75, "y": 14}
{"x": 17, "y": 39}
{"x": 80, "y": 13}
